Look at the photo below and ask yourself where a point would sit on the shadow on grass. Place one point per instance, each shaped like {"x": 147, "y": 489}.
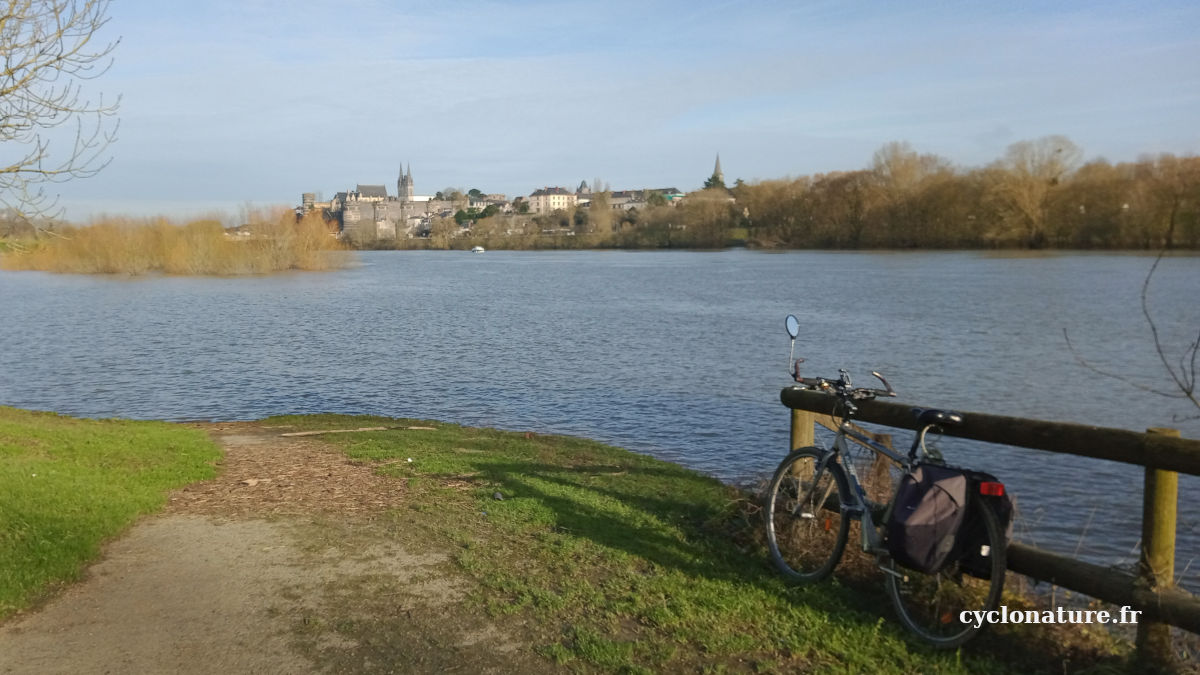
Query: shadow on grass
{"x": 636, "y": 516}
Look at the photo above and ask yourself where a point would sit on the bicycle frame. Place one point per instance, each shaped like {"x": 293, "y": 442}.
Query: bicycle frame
{"x": 872, "y": 541}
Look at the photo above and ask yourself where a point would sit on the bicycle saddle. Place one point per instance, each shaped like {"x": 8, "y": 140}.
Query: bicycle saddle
{"x": 943, "y": 418}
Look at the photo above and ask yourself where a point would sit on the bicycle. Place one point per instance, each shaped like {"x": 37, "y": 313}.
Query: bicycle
{"x": 816, "y": 493}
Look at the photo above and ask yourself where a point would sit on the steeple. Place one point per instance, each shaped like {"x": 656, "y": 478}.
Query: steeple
{"x": 404, "y": 185}
{"x": 717, "y": 179}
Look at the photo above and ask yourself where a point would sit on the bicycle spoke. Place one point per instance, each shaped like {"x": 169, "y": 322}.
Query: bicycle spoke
{"x": 806, "y": 531}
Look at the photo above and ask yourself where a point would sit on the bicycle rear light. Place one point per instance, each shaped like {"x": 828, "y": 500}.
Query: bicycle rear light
{"x": 991, "y": 488}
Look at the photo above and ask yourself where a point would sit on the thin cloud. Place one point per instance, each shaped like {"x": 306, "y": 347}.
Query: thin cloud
{"x": 263, "y": 100}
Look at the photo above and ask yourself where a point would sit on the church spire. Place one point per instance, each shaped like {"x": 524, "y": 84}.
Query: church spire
{"x": 404, "y": 185}
{"x": 717, "y": 179}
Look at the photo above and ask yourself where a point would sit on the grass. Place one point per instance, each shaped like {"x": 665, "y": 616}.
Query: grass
{"x": 598, "y": 559}
{"x": 273, "y": 242}
{"x": 67, "y": 485}
{"x": 620, "y": 563}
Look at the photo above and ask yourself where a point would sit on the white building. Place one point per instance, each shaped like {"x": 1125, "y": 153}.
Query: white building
{"x": 550, "y": 199}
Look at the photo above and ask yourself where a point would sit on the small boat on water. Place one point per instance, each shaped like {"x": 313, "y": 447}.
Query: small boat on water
{"x": 478, "y": 249}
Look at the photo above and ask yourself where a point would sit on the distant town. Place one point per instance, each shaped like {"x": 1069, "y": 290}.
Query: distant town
{"x": 368, "y": 214}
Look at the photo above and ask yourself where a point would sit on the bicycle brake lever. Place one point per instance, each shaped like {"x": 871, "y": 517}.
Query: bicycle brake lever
{"x": 890, "y": 391}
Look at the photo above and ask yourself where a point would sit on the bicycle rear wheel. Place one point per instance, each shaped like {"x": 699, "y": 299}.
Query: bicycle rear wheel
{"x": 930, "y": 605}
{"x": 806, "y": 527}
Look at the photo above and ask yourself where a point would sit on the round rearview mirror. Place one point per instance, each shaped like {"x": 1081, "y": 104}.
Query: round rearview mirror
{"x": 793, "y": 326}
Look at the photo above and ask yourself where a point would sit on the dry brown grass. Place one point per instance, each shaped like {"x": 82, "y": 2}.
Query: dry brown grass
{"x": 274, "y": 241}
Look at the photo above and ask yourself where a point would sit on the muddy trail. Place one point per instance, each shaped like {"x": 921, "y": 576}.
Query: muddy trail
{"x": 292, "y": 560}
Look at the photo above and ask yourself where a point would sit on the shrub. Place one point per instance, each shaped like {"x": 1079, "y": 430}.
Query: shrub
{"x": 270, "y": 242}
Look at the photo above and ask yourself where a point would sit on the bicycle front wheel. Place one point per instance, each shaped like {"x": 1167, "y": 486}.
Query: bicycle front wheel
{"x": 806, "y": 525}
{"x": 931, "y": 605}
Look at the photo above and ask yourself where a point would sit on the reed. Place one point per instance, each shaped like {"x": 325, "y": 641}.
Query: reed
{"x": 270, "y": 241}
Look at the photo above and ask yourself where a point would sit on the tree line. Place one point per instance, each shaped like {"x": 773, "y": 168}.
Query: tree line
{"x": 1038, "y": 195}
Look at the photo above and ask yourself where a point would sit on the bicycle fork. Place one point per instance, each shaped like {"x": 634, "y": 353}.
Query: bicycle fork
{"x": 806, "y": 507}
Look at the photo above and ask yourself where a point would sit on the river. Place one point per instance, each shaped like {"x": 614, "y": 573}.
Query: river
{"x": 680, "y": 355}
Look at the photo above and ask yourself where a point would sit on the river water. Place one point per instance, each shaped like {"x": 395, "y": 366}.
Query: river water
{"x": 680, "y": 355}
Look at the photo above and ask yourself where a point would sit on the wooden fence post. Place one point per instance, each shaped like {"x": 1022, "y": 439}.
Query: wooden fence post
{"x": 1157, "y": 565}
{"x": 804, "y": 434}
{"x": 803, "y": 429}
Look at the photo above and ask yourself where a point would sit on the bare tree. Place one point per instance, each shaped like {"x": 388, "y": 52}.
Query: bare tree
{"x": 50, "y": 131}
{"x": 899, "y": 169}
{"x": 600, "y": 215}
{"x": 1031, "y": 171}
{"x": 1172, "y": 181}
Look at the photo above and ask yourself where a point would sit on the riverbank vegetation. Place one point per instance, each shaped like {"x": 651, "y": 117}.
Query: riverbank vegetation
{"x": 67, "y": 485}
{"x": 268, "y": 241}
{"x": 1040, "y": 194}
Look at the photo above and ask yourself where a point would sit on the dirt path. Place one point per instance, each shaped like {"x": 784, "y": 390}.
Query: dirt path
{"x": 287, "y": 562}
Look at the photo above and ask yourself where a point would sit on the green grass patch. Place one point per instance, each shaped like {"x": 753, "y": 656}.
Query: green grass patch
{"x": 67, "y": 485}
{"x": 621, "y": 563}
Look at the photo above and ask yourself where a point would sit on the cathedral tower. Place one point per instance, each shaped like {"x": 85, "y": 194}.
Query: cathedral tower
{"x": 404, "y": 186}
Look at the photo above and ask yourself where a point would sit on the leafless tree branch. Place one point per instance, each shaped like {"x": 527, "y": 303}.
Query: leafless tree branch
{"x": 47, "y": 51}
{"x": 1183, "y": 374}
{"x": 1116, "y": 376}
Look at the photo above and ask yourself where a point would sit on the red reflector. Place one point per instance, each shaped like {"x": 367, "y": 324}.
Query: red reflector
{"x": 991, "y": 488}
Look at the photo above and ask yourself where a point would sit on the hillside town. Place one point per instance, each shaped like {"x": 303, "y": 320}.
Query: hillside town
{"x": 368, "y": 213}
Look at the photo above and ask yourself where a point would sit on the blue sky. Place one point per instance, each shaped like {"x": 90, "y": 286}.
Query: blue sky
{"x": 233, "y": 102}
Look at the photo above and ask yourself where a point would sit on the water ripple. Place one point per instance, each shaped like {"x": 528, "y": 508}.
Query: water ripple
{"x": 680, "y": 355}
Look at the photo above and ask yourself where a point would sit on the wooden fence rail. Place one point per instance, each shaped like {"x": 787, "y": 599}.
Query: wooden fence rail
{"x": 1161, "y": 451}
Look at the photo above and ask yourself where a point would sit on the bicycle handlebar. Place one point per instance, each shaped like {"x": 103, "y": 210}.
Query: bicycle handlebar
{"x": 833, "y": 387}
{"x": 841, "y": 385}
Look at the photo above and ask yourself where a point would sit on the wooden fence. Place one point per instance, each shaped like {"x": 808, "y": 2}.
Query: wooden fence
{"x": 1161, "y": 451}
